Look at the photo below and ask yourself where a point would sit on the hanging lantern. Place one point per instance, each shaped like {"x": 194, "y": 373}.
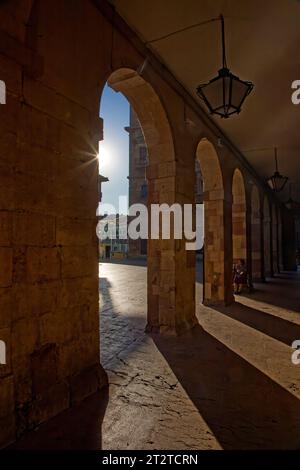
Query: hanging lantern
{"x": 291, "y": 204}
{"x": 224, "y": 94}
{"x": 277, "y": 182}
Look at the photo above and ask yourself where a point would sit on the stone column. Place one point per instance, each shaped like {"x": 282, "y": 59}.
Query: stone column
{"x": 271, "y": 242}
{"x": 289, "y": 241}
{"x": 274, "y": 239}
{"x": 218, "y": 249}
{"x": 171, "y": 268}
{"x": 278, "y": 249}
{"x": 262, "y": 238}
{"x": 249, "y": 241}
{"x": 256, "y": 248}
{"x": 280, "y": 246}
{"x": 268, "y": 246}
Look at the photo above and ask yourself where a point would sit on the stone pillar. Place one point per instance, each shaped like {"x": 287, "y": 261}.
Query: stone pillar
{"x": 289, "y": 241}
{"x": 239, "y": 230}
{"x": 274, "y": 239}
{"x": 256, "y": 248}
{"x": 249, "y": 241}
{"x": 278, "y": 249}
{"x": 261, "y": 247}
{"x": 271, "y": 247}
{"x": 280, "y": 246}
{"x": 49, "y": 301}
{"x": 217, "y": 249}
{"x": 171, "y": 268}
{"x": 268, "y": 246}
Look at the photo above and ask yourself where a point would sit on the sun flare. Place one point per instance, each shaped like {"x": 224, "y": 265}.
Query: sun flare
{"x": 104, "y": 156}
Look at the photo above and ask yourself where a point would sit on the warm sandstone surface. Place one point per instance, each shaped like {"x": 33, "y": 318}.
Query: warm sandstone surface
{"x": 229, "y": 383}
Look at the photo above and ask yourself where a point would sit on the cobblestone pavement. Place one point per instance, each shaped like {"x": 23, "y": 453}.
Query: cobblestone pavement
{"x": 229, "y": 383}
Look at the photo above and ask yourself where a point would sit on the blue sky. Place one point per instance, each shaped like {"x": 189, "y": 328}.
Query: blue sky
{"x": 114, "y": 150}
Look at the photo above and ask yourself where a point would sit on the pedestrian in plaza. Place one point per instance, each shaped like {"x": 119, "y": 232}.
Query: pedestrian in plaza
{"x": 239, "y": 276}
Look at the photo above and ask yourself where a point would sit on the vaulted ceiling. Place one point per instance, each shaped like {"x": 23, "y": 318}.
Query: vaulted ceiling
{"x": 262, "y": 42}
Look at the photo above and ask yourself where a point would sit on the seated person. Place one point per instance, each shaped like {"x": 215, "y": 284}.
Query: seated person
{"x": 239, "y": 276}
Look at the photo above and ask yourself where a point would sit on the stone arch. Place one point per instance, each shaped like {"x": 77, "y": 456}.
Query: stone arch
{"x": 151, "y": 114}
{"x": 215, "y": 278}
{"x": 267, "y": 238}
{"x": 256, "y": 233}
{"x": 239, "y": 237}
{"x": 210, "y": 168}
{"x": 161, "y": 189}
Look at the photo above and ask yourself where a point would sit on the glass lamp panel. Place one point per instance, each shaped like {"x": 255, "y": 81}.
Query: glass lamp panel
{"x": 226, "y": 100}
{"x": 239, "y": 91}
{"x": 270, "y": 183}
{"x": 277, "y": 183}
{"x": 213, "y": 92}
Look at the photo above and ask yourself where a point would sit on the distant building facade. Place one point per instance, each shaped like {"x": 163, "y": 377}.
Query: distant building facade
{"x": 115, "y": 245}
{"x": 138, "y": 186}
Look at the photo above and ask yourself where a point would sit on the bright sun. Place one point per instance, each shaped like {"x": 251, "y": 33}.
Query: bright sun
{"x": 104, "y": 156}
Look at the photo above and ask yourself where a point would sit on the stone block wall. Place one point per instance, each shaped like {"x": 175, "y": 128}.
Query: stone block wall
{"x": 49, "y": 310}
{"x": 256, "y": 249}
{"x": 275, "y": 256}
{"x": 239, "y": 231}
{"x": 267, "y": 240}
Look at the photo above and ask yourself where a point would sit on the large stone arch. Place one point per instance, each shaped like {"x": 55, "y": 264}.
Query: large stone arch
{"x": 161, "y": 279}
{"x": 256, "y": 234}
{"x": 239, "y": 236}
{"x": 52, "y": 194}
{"x": 215, "y": 284}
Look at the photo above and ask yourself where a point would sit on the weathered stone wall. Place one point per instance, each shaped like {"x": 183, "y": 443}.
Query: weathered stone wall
{"x": 239, "y": 237}
{"x": 288, "y": 241}
{"x": 49, "y": 284}
{"x": 256, "y": 234}
{"x": 275, "y": 256}
{"x": 55, "y": 57}
{"x": 267, "y": 238}
{"x": 138, "y": 185}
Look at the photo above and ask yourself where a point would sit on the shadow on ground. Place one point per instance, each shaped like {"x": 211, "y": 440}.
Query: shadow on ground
{"x": 243, "y": 407}
{"x": 281, "y": 291}
{"x": 271, "y": 325}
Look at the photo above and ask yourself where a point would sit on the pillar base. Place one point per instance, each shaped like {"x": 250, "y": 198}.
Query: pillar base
{"x": 219, "y": 303}
{"x": 172, "y": 330}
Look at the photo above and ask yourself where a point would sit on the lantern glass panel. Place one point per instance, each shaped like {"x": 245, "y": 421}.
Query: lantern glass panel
{"x": 226, "y": 88}
{"x": 277, "y": 182}
{"x": 213, "y": 93}
{"x": 239, "y": 90}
